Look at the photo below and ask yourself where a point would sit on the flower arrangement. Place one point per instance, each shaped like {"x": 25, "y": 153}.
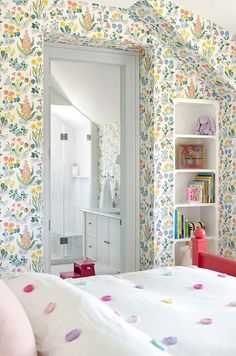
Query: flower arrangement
{"x": 17, "y": 213}
{"x": 18, "y": 82}
{"x": 18, "y": 16}
{"x": 74, "y": 7}
{"x": 37, "y": 261}
{"x": 8, "y": 118}
{"x": 26, "y": 240}
{"x": 10, "y": 98}
{"x": 38, "y": 7}
{"x": 10, "y": 32}
{"x": 26, "y": 46}
{"x": 208, "y": 48}
{"x": 26, "y": 176}
{"x": 9, "y": 230}
{"x": 26, "y": 111}
{"x": 37, "y": 197}
{"x": 37, "y": 133}
{"x": 198, "y": 28}
{"x": 9, "y": 249}
{"x": 6, "y": 184}
{"x": 87, "y": 22}
{"x": 37, "y": 69}
{"x": 18, "y": 147}
{"x": 191, "y": 91}
{"x": 9, "y": 163}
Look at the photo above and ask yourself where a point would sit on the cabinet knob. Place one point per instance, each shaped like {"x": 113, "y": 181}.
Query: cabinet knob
{"x": 90, "y": 246}
{"x": 90, "y": 223}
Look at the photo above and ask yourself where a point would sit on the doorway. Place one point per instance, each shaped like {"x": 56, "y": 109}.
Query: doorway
{"x": 72, "y": 191}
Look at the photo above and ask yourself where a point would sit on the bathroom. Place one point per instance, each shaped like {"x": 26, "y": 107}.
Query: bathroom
{"x": 85, "y": 172}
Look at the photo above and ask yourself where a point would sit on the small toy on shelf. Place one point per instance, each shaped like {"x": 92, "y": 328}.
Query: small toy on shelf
{"x": 205, "y": 125}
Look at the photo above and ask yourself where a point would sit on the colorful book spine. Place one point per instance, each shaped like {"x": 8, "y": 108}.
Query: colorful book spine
{"x": 182, "y": 228}
{"x": 186, "y": 228}
{"x": 176, "y": 223}
{"x": 179, "y": 225}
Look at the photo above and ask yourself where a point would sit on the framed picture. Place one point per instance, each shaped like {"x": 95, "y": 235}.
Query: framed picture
{"x": 191, "y": 156}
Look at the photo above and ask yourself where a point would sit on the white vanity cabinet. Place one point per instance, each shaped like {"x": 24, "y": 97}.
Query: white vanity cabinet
{"x": 103, "y": 240}
{"x": 102, "y": 237}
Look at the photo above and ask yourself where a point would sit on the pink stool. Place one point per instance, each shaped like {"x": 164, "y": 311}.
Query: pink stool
{"x": 65, "y": 275}
{"x": 84, "y": 268}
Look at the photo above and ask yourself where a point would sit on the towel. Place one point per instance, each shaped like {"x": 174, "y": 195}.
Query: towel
{"x": 106, "y": 198}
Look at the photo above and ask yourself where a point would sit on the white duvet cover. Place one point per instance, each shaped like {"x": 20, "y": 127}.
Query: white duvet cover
{"x": 70, "y": 322}
{"x": 169, "y": 305}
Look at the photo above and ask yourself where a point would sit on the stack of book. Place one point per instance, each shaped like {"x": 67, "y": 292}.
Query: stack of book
{"x": 182, "y": 226}
{"x": 202, "y": 188}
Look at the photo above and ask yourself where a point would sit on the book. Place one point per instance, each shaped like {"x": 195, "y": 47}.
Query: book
{"x": 211, "y": 176}
{"x": 176, "y": 223}
{"x": 204, "y": 188}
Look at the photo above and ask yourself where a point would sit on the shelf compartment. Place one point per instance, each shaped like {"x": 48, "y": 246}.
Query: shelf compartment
{"x": 187, "y": 113}
{"x": 209, "y": 150}
{"x": 181, "y": 183}
{"x": 207, "y": 215}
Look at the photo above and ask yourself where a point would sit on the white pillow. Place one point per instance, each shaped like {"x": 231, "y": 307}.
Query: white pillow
{"x": 102, "y": 332}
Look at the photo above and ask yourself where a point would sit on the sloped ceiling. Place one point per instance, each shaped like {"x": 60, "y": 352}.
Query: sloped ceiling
{"x": 220, "y": 12}
{"x": 94, "y": 90}
{"x": 70, "y": 115}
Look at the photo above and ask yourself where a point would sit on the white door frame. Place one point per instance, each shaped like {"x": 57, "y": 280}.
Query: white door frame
{"x": 129, "y": 63}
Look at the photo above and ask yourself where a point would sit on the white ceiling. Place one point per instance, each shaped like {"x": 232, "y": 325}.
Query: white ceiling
{"x": 221, "y": 12}
{"x": 94, "y": 89}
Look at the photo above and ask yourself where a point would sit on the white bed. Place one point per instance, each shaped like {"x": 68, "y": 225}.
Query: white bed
{"x": 182, "y": 318}
{"x": 67, "y": 321}
{"x": 166, "y": 302}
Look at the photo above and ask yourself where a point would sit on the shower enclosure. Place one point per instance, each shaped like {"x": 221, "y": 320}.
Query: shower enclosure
{"x": 70, "y": 182}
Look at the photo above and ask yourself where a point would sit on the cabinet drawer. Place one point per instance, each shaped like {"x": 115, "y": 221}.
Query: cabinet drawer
{"x": 91, "y": 224}
{"x": 91, "y": 247}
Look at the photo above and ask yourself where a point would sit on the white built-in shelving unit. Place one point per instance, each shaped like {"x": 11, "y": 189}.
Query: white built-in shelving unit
{"x": 186, "y": 114}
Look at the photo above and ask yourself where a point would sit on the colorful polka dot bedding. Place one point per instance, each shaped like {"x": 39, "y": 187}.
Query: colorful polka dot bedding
{"x": 168, "y": 311}
{"x": 186, "y": 311}
{"x": 67, "y": 321}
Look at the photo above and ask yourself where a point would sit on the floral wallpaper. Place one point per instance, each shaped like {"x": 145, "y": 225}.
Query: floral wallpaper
{"x": 108, "y": 149}
{"x": 180, "y": 56}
